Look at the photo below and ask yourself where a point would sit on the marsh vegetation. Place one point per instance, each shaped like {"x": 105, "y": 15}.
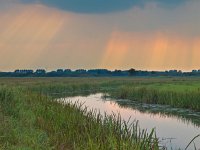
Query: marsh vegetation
{"x": 31, "y": 118}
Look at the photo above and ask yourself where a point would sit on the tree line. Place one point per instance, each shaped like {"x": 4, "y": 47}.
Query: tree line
{"x": 95, "y": 73}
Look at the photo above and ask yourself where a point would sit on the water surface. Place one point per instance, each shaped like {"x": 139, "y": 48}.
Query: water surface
{"x": 174, "y": 127}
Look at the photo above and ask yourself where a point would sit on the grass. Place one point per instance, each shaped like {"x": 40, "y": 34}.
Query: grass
{"x": 31, "y": 119}
{"x": 180, "y": 97}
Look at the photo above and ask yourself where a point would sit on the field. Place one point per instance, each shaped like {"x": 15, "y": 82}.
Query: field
{"x": 32, "y": 119}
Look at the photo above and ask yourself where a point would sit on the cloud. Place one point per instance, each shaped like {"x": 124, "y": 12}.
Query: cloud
{"x": 101, "y": 6}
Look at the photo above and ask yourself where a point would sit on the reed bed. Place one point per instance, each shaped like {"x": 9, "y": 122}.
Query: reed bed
{"x": 181, "y": 99}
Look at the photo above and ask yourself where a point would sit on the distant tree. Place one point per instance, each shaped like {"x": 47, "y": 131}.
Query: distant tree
{"x": 67, "y": 71}
{"x": 132, "y": 72}
{"x": 81, "y": 71}
{"x": 60, "y": 71}
{"x": 194, "y": 71}
{"x": 17, "y": 71}
{"x": 117, "y": 73}
{"x": 40, "y": 72}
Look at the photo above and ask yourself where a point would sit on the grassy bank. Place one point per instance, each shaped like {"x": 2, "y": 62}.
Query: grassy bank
{"x": 30, "y": 120}
{"x": 175, "y": 98}
{"x": 176, "y": 92}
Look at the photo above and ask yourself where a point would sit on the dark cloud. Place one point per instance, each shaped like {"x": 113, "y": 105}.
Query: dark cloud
{"x": 169, "y": 3}
{"x": 101, "y": 6}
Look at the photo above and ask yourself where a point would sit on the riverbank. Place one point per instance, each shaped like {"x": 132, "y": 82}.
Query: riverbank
{"x": 176, "y": 92}
{"x": 168, "y": 122}
{"x": 35, "y": 121}
{"x": 151, "y": 95}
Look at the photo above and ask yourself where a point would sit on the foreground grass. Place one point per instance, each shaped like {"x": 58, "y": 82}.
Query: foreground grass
{"x": 31, "y": 120}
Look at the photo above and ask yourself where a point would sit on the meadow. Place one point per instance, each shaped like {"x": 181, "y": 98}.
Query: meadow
{"x": 32, "y": 119}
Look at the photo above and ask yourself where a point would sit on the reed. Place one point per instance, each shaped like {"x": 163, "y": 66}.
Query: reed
{"x": 32, "y": 119}
{"x": 36, "y": 121}
{"x": 181, "y": 99}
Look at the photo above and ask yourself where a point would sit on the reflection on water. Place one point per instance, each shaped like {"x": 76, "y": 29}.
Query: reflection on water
{"x": 185, "y": 115}
{"x": 174, "y": 127}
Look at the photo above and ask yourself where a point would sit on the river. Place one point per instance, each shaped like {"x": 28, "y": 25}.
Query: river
{"x": 174, "y": 127}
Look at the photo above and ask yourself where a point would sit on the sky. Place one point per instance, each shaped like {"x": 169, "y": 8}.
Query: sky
{"x": 89, "y": 34}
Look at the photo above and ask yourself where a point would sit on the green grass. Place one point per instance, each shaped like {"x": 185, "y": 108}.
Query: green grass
{"x": 177, "y": 92}
{"x": 175, "y": 95}
{"x": 31, "y": 119}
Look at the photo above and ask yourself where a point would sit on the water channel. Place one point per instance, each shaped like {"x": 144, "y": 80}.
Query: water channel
{"x": 174, "y": 127}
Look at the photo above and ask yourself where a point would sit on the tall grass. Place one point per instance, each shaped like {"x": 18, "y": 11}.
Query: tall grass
{"x": 177, "y": 92}
{"x": 186, "y": 99}
{"x": 18, "y": 129}
{"x": 35, "y": 121}
{"x": 32, "y": 120}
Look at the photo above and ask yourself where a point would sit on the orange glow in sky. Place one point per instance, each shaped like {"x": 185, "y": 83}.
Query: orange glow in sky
{"x": 156, "y": 50}
{"x": 36, "y": 36}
